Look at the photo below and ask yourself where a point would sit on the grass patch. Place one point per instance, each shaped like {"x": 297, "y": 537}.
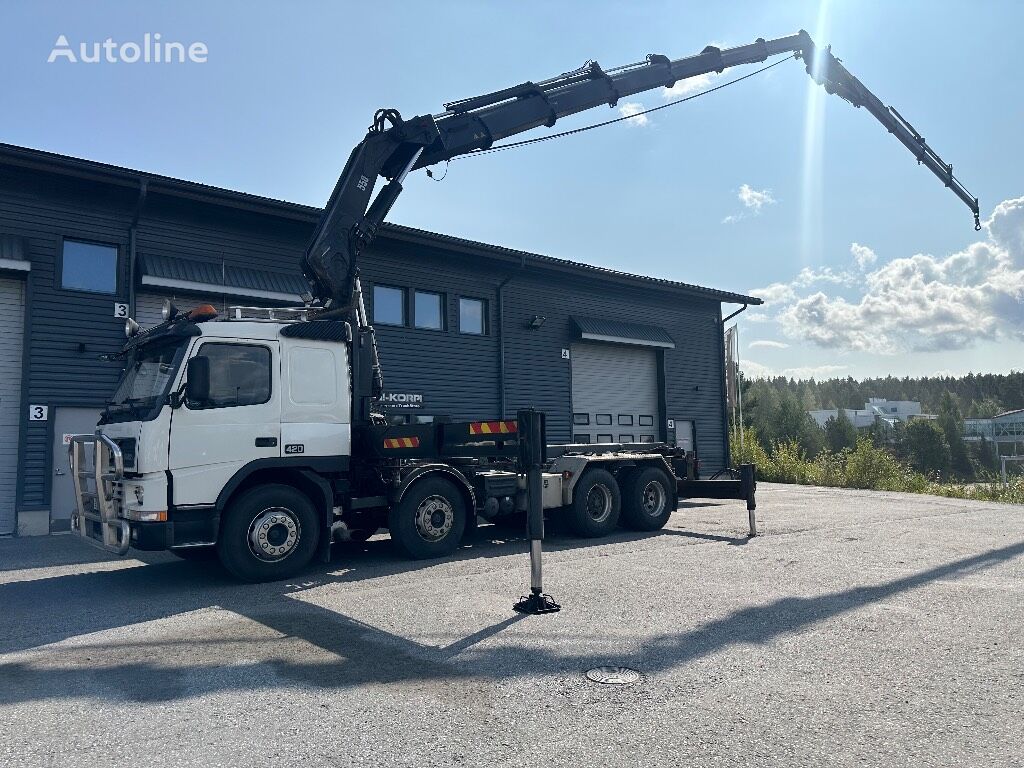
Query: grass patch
{"x": 866, "y": 466}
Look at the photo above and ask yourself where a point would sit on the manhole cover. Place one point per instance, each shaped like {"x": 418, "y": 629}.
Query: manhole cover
{"x": 613, "y": 675}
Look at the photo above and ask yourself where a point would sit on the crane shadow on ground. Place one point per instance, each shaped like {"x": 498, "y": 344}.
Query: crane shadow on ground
{"x": 348, "y": 652}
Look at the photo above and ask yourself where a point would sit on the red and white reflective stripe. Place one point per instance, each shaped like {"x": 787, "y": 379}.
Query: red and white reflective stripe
{"x": 492, "y": 427}
{"x": 401, "y": 442}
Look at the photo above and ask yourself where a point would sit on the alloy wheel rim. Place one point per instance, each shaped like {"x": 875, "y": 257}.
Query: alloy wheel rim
{"x": 653, "y": 498}
{"x": 435, "y": 517}
{"x": 599, "y": 502}
{"x": 274, "y": 534}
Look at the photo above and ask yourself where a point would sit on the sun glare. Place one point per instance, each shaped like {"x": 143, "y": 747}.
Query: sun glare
{"x": 813, "y": 160}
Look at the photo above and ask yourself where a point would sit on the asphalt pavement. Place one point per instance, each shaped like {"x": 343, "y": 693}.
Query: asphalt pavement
{"x": 860, "y": 628}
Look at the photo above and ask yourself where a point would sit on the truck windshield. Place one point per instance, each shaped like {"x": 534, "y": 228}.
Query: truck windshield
{"x": 148, "y": 374}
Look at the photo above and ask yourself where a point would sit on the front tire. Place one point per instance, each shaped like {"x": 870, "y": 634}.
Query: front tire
{"x": 429, "y": 520}
{"x": 268, "y": 533}
{"x": 646, "y": 500}
{"x": 596, "y": 503}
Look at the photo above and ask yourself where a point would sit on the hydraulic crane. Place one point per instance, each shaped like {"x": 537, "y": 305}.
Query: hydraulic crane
{"x": 394, "y": 147}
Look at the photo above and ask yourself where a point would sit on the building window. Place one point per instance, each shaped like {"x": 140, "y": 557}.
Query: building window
{"x": 603, "y": 419}
{"x": 625, "y": 420}
{"x": 426, "y": 310}
{"x": 472, "y": 317}
{"x": 646, "y": 438}
{"x": 581, "y": 439}
{"x": 604, "y": 438}
{"x": 239, "y": 375}
{"x": 626, "y": 439}
{"x": 388, "y": 305}
{"x": 89, "y": 267}
{"x": 581, "y": 418}
{"x": 646, "y": 421}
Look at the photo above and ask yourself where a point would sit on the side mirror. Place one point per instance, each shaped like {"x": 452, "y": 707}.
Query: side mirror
{"x": 197, "y": 381}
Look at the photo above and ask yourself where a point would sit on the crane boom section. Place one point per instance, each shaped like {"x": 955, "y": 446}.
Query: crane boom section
{"x": 393, "y": 147}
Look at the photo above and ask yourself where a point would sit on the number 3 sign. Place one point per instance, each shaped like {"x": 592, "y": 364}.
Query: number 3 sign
{"x": 38, "y": 412}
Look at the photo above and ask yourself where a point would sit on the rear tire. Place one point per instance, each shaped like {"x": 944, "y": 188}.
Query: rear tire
{"x": 429, "y": 520}
{"x": 268, "y": 533}
{"x": 646, "y": 499}
{"x": 596, "y": 504}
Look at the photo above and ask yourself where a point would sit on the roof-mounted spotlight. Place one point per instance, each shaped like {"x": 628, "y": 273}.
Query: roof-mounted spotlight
{"x": 536, "y": 322}
{"x": 169, "y": 311}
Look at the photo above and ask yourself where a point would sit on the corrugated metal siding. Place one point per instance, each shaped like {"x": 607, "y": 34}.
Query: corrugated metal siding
{"x": 457, "y": 373}
{"x": 68, "y": 330}
{"x": 12, "y": 316}
{"x": 536, "y": 376}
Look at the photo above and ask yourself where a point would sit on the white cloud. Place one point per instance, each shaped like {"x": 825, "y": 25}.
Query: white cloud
{"x": 753, "y": 201}
{"x": 755, "y": 198}
{"x": 688, "y": 86}
{"x": 916, "y": 303}
{"x": 776, "y": 293}
{"x": 755, "y": 370}
{"x": 863, "y": 255}
{"x": 631, "y": 109}
{"x": 807, "y": 277}
{"x": 767, "y": 344}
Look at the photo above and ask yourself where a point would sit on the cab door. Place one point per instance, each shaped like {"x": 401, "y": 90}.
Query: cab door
{"x": 239, "y": 423}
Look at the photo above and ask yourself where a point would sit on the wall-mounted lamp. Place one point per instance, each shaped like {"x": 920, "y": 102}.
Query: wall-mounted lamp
{"x": 536, "y": 322}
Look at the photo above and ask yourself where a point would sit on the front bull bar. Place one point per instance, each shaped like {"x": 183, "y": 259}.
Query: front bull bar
{"x": 98, "y": 491}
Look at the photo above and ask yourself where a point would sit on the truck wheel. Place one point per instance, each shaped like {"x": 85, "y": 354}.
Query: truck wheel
{"x": 596, "y": 502}
{"x": 429, "y": 520}
{"x": 270, "y": 532}
{"x": 646, "y": 499}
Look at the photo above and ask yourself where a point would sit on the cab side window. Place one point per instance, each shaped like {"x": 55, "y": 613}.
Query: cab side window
{"x": 239, "y": 374}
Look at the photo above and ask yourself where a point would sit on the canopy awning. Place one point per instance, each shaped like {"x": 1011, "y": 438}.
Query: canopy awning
{"x": 181, "y": 274}
{"x": 621, "y": 332}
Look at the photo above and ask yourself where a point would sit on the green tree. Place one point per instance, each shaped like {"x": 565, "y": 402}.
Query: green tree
{"x": 926, "y": 446}
{"x": 951, "y": 421}
{"x": 840, "y": 432}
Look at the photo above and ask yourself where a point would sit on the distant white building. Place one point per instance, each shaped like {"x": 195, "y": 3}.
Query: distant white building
{"x": 875, "y": 409}
{"x": 1005, "y": 430}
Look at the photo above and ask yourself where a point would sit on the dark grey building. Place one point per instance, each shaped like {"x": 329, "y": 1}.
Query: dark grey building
{"x": 466, "y": 329}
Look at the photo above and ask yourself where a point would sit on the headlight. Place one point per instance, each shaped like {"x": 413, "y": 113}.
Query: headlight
{"x": 130, "y": 327}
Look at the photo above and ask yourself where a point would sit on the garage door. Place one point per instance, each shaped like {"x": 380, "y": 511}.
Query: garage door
{"x": 148, "y": 306}
{"x": 614, "y": 394}
{"x": 12, "y": 318}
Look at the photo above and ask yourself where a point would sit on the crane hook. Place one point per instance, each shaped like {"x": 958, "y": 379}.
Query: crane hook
{"x": 977, "y": 222}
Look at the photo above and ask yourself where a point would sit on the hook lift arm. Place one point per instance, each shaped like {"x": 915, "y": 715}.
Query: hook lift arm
{"x": 393, "y": 147}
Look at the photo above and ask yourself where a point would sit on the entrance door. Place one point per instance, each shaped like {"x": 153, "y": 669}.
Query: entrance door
{"x": 67, "y": 422}
{"x": 684, "y": 434}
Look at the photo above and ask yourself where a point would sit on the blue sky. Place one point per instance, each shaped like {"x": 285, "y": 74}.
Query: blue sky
{"x": 763, "y": 185}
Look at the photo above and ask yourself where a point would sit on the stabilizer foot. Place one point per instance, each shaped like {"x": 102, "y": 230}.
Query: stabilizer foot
{"x": 536, "y": 603}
